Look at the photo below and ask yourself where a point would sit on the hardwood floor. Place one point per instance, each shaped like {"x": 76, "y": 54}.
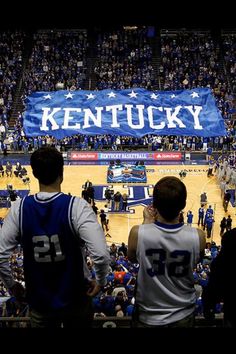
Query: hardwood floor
{"x": 196, "y": 182}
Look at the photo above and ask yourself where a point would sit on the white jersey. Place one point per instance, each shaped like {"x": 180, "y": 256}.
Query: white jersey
{"x": 167, "y": 255}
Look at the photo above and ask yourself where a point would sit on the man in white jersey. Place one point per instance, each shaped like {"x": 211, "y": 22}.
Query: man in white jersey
{"x": 167, "y": 251}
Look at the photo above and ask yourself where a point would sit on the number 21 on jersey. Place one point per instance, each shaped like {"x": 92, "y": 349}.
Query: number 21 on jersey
{"x": 47, "y": 249}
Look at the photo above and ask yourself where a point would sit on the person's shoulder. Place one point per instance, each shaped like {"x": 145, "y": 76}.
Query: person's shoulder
{"x": 134, "y": 230}
{"x": 200, "y": 232}
{"x": 81, "y": 201}
{"x": 82, "y": 205}
{"x": 16, "y": 203}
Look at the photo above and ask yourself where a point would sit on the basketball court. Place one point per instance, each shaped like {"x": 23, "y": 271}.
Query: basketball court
{"x": 196, "y": 181}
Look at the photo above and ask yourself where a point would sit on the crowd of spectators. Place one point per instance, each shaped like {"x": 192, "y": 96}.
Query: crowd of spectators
{"x": 125, "y": 60}
{"x": 192, "y": 59}
{"x": 117, "y": 298}
{"x": 58, "y": 60}
{"x": 189, "y": 60}
{"x": 11, "y": 48}
{"x": 229, "y": 48}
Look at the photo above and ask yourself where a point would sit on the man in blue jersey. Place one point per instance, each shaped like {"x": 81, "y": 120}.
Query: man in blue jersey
{"x": 201, "y": 215}
{"x": 167, "y": 252}
{"x": 54, "y": 229}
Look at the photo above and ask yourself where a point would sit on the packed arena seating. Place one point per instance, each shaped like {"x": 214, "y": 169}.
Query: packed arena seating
{"x": 57, "y": 61}
{"x": 125, "y": 60}
{"x": 11, "y": 56}
{"x": 128, "y": 57}
{"x": 229, "y": 50}
{"x": 114, "y": 305}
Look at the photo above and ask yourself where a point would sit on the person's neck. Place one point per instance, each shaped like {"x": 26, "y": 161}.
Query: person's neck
{"x": 164, "y": 221}
{"x": 51, "y": 188}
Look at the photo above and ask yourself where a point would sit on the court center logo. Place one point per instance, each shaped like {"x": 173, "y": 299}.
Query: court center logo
{"x": 137, "y": 195}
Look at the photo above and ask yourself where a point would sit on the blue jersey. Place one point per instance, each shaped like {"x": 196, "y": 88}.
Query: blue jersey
{"x": 210, "y": 211}
{"x": 201, "y": 212}
{"x": 189, "y": 218}
{"x": 53, "y": 261}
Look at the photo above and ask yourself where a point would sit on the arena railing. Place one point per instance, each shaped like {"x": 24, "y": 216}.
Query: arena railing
{"x": 108, "y": 322}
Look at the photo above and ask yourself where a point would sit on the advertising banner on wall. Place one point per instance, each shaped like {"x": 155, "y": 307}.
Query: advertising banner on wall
{"x": 108, "y": 156}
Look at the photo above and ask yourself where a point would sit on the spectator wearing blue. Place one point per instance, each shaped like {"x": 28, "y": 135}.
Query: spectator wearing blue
{"x": 209, "y": 225}
{"x": 209, "y": 153}
{"x": 203, "y": 281}
{"x": 201, "y": 213}
{"x": 104, "y": 304}
{"x": 214, "y": 250}
{"x": 189, "y": 218}
{"x": 210, "y": 167}
{"x": 207, "y": 215}
{"x": 210, "y": 210}
{"x": 129, "y": 309}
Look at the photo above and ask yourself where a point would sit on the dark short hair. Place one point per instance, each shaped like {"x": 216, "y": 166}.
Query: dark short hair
{"x": 169, "y": 197}
{"x": 47, "y": 165}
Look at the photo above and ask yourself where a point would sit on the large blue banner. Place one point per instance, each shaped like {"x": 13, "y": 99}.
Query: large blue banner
{"x": 135, "y": 112}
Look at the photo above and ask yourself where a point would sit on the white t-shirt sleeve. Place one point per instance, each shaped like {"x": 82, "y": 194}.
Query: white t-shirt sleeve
{"x": 88, "y": 228}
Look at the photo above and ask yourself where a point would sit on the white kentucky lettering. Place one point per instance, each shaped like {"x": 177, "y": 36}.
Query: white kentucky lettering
{"x": 89, "y": 115}
{"x": 195, "y": 115}
{"x": 140, "y": 109}
{"x": 67, "y": 118}
{"x": 171, "y": 117}
{"x": 49, "y": 117}
{"x": 151, "y": 119}
{"x": 114, "y": 110}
